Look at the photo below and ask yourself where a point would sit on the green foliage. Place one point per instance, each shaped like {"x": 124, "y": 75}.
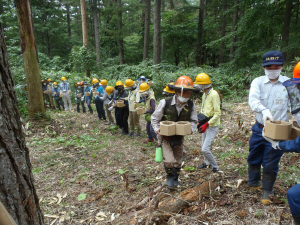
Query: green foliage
{"x": 82, "y": 59}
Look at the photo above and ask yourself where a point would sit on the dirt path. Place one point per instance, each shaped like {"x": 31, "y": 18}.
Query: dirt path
{"x": 88, "y": 173}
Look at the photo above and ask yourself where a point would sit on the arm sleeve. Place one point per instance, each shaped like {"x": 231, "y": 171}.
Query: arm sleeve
{"x": 254, "y": 97}
{"x": 104, "y": 96}
{"x": 194, "y": 119}
{"x": 157, "y": 115}
{"x": 152, "y": 104}
{"x": 217, "y": 110}
{"x": 290, "y": 146}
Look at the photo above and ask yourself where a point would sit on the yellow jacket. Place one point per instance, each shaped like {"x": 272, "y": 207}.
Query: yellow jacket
{"x": 211, "y": 107}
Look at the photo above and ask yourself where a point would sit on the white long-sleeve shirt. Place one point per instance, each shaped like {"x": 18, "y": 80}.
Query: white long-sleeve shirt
{"x": 64, "y": 87}
{"x": 267, "y": 95}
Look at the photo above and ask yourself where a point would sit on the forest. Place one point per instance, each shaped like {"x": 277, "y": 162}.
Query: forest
{"x": 73, "y": 169}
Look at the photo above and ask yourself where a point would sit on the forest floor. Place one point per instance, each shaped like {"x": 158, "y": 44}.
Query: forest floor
{"x": 88, "y": 173}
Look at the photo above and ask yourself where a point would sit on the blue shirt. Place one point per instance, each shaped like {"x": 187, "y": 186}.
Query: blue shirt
{"x": 290, "y": 146}
{"x": 56, "y": 95}
{"x": 87, "y": 89}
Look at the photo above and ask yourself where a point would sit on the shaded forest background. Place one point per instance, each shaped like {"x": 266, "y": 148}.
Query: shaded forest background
{"x": 224, "y": 38}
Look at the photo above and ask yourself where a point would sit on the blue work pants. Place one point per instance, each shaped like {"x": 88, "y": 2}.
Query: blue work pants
{"x": 100, "y": 108}
{"x": 150, "y": 131}
{"x": 293, "y": 196}
{"x": 261, "y": 153}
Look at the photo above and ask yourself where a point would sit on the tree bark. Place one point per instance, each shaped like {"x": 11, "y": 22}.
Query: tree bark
{"x": 223, "y": 32}
{"x": 96, "y": 29}
{"x": 156, "y": 36}
{"x": 120, "y": 38}
{"x": 234, "y": 28}
{"x": 84, "y": 29}
{"x": 147, "y": 29}
{"x": 30, "y": 58}
{"x": 172, "y": 6}
{"x": 199, "y": 50}
{"x": 287, "y": 22}
{"x": 68, "y": 19}
{"x": 17, "y": 191}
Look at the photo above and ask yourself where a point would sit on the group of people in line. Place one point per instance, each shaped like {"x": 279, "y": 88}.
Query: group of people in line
{"x": 271, "y": 97}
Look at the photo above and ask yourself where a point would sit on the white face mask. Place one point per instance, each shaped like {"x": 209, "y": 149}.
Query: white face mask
{"x": 55, "y": 86}
{"x": 272, "y": 74}
{"x": 44, "y": 83}
{"x": 182, "y": 99}
{"x": 64, "y": 81}
{"x": 85, "y": 86}
{"x": 144, "y": 94}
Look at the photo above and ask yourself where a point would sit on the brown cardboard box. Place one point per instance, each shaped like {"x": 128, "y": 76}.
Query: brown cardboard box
{"x": 134, "y": 105}
{"x": 79, "y": 95}
{"x": 120, "y": 103}
{"x": 295, "y": 132}
{"x": 140, "y": 110}
{"x": 183, "y": 128}
{"x": 96, "y": 93}
{"x": 278, "y": 130}
{"x": 61, "y": 95}
{"x": 167, "y": 128}
{"x": 87, "y": 93}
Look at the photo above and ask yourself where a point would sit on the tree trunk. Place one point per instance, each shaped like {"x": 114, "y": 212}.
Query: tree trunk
{"x": 84, "y": 29}
{"x": 162, "y": 48}
{"x": 287, "y": 22}
{"x": 234, "y": 27}
{"x": 96, "y": 29}
{"x": 68, "y": 19}
{"x": 223, "y": 32}
{"x": 30, "y": 58}
{"x": 147, "y": 29}
{"x": 17, "y": 191}
{"x": 120, "y": 38}
{"x": 172, "y": 6}
{"x": 156, "y": 36}
{"x": 199, "y": 50}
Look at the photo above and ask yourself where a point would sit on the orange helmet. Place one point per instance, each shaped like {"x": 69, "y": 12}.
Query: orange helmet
{"x": 183, "y": 82}
{"x": 296, "y": 77}
{"x": 78, "y": 84}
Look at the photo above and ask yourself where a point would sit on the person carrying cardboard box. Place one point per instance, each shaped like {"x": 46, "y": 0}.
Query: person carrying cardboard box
{"x": 79, "y": 97}
{"x": 179, "y": 108}
{"x": 87, "y": 95}
{"x": 65, "y": 90}
{"x": 210, "y": 108}
{"x": 269, "y": 99}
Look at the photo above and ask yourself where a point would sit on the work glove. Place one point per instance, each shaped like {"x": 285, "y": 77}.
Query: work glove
{"x": 275, "y": 144}
{"x": 82, "y": 98}
{"x": 267, "y": 115}
{"x": 203, "y": 128}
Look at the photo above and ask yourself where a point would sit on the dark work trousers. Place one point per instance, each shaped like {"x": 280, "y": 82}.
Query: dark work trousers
{"x": 124, "y": 113}
{"x": 150, "y": 131}
{"x": 59, "y": 103}
{"x": 100, "y": 108}
{"x": 78, "y": 107}
{"x": 118, "y": 118}
{"x": 88, "y": 102}
{"x": 293, "y": 196}
{"x": 261, "y": 153}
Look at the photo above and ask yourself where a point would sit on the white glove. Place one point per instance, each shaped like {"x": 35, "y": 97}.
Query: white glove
{"x": 275, "y": 144}
{"x": 110, "y": 108}
{"x": 82, "y": 98}
{"x": 267, "y": 115}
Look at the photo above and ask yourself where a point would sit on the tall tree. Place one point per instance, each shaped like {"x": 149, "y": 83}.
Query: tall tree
{"x": 287, "y": 22}
{"x": 30, "y": 58}
{"x": 120, "y": 36}
{"x": 234, "y": 28}
{"x": 147, "y": 29}
{"x": 17, "y": 191}
{"x": 199, "y": 49}
{"x": 68, "y": 19}
{"x": 156, "y": 35}
{"x": 96, "y": 30}
{"x": 84, "y": 29}
{"x": 223, "y": 32}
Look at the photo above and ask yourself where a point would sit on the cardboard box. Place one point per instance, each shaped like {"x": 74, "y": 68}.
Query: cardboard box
{"x": 167, "y": 128}
{"x": 134, "y": 105}
{"x": 87, "y": 93}
{"x": 96, "y": 93}
{"x": 278, "y": 130}
{"x": 79, "y": 95}
{"x": 140, "y": 110}
{"x": 61, "y": 95}
{"x": 183, "y": 128}
{"x": 120, "y": 103}
{"x": 69, "y": 92}
{"x": 295, "y": 132}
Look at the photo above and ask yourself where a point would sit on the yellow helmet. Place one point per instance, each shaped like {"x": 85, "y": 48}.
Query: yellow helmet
{"x": 119, "y": 83}
{"x": 170, "y": 90}
{"x": 63, "y": 78}
{"x": 54, "y": 83}
{"x": 129, "y": 83}
{"x": 109, "y": 89}
{"x": 144, "y": 87}
{"x": 103, "y": 82}
{"x": 202, "y": 78}
{"x": 49, "y": 80}
{"x": 95, "y": 80}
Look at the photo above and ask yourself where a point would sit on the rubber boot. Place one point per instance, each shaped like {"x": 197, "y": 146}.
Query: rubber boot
{"x": 296, "y": 220}
{"x": 176, "y": 172}
{"x": 170, "y": 178}
{"x": 265, "y": 200}
{"x": 254, "y": 176}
